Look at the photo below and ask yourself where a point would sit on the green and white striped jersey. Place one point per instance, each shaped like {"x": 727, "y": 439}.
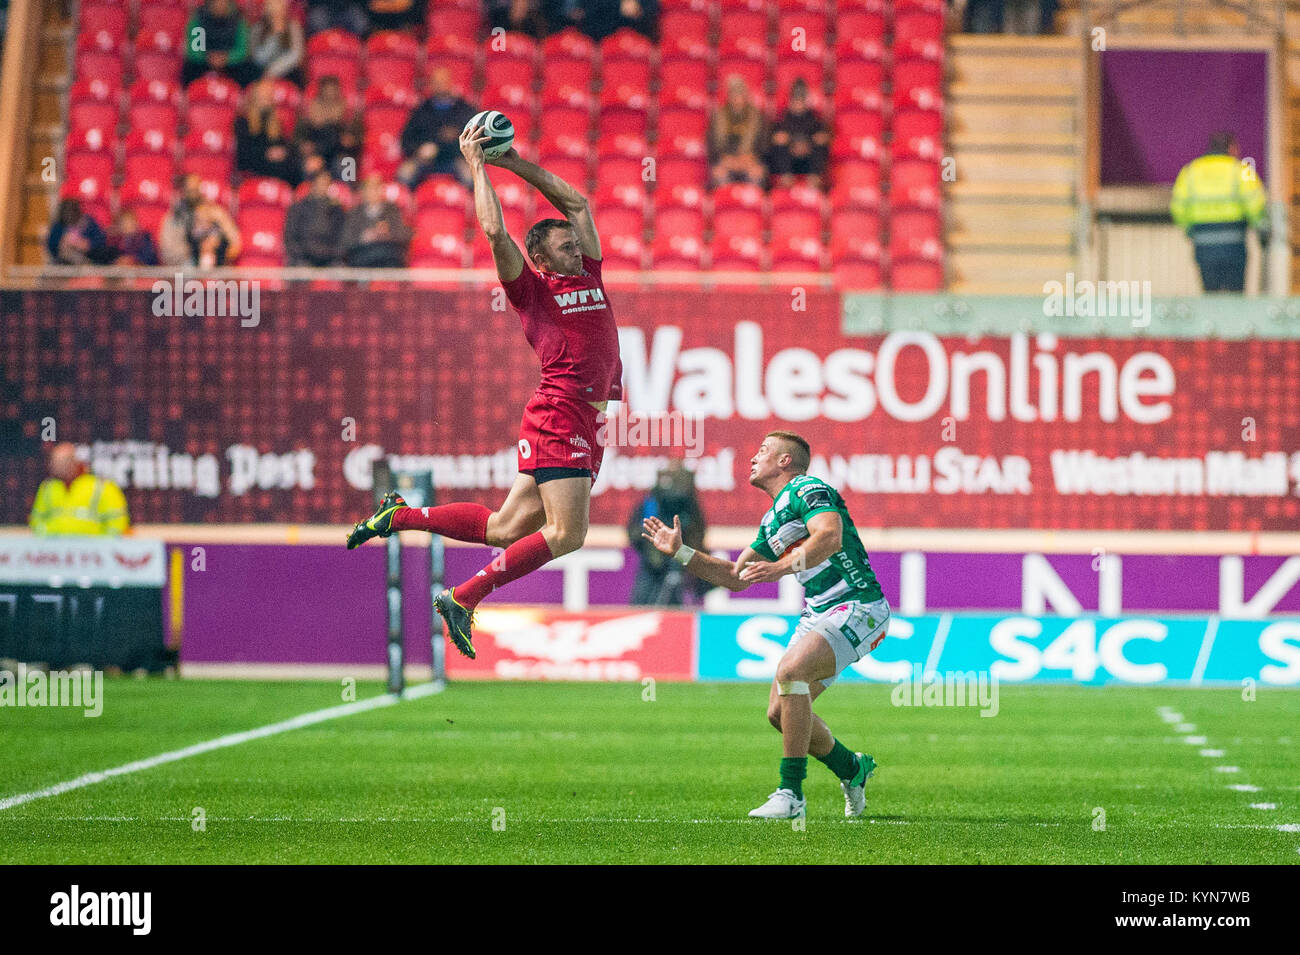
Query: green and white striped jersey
{"x": 846, "y": 574}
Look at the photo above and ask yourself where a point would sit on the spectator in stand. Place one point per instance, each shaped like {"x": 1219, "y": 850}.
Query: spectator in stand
{"x": 75, "y": 238}
{"x": 174, "y": 233}
{"x": 276, "y": 43}
{"x": 431, "y": 137}
{"x": 374, "y": 234}
{"x": 347, "y": 15}
{"x": 327, "y": 133}
{"x": 517, "y": 16}
{"x": 216, "y": 39}
{"x": 659, "y": 578}
{"x": 800, "y": 141}
{"x": 736, "y": 137}
{"x": 74, "y": 502}
{"x": 129, "y": 244}
{"x": 313, "y": 225}
{"x": 560, "y": 14}
{"x": 395, "y": 14}
{"x": 214, "y": 238}
{"x": 603, "y": 17}
{"x": 261, "y": 148}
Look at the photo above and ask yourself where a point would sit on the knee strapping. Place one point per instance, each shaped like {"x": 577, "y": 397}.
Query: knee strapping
{"x": 791, "y": 688}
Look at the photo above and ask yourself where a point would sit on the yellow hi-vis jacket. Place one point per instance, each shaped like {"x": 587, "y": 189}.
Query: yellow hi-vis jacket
{"x": 1216, "y": 189}
{"x": 88, "y": 506}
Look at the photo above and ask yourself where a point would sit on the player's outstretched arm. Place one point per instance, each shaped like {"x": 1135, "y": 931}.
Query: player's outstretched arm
{"x": 708, "y": 568}
{"x": 558, "y": 193}
{"x": 825, "y": 537}
{"x": 487, "y": 206}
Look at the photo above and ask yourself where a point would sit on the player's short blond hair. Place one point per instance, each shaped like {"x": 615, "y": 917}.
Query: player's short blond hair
{"x": 798, "y": 448}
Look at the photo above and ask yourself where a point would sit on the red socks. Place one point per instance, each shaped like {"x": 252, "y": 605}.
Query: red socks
{"x": 462, "y": 522}
{"x": 522, "y": 557}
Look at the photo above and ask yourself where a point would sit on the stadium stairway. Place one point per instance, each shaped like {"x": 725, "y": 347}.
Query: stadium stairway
{"x": 48, "y": 130}
{"x": 1014, "y": 111}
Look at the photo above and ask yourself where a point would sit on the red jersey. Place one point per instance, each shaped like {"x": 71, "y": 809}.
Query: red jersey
{"x": 568, "y": 321}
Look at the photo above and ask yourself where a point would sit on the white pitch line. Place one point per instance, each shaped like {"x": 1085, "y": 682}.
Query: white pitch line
{"x": 1244, "y": 788}
{"x": 1263, "y": 805}
{"x": 936, "y": 648}
{"x": 221, "y": 742}
{"x": 1203, "y": 657}
{"x": 1185, "y": 728}
{"x": 1195, "y": 740}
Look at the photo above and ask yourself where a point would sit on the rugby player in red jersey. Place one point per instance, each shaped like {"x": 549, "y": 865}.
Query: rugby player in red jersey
{"x": 566, "y": 317}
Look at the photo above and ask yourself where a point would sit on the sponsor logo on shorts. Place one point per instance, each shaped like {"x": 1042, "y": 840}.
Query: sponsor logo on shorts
{"x": 580, "y": 441}
{"x": 525, "y": 449}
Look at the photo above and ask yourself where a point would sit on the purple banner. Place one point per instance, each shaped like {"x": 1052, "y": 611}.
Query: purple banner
{"x": 1159, "y": 108}
{"x": 319, "y": 604}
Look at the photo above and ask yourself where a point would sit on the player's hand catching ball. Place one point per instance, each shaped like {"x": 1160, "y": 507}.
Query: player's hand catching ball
{"x": 471, "y": 144}
{"x": 664, "y": 538}
{"x": 761, "y": 572}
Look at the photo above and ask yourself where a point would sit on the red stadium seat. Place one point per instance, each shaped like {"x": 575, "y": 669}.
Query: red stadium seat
{"x": 558, "y": 121}
{"x": 620, "y": 220}
{"x": 739, "y": 196}
{"x": 392, "y": 70}
{"x": 563, "y": 94}
{"x": 801, "y": 34}
{"x": 155, "y": 140}
{"x": 737, "y": 253}
{"x": 915, "y": 234}
{"x": 857, "y": 275}
{"x": 160, "y": 167}
{"x": 573, "y": 146}
{"x": 677, "y": 252}
{"x": 916, "y": 275}
{"x": 625, "y": 44}
{"x": 686, "y": 23}
{"x": 431, "y": 249}
{"x": 513, "y": 192}
{"x": 615, "y": 121}
{"x": 92, "y": 91}
{"x": 346, "y": 68}
{"x": 161, "y": 27}
{"x": 442, "y": 219}
{"x": 213, "y": 88}
{"x": 511, "y": 45}
{"x": 804, "y": 223}
{"x": 746, "y": 29}
{"x": 338, "y": 191}
{"x": 569, "y": 43}
{"x": 917, "y": 134}
{"x": 567, "y": 72}
{"x": 672, "y": 173}
{"x": 797, "y": 253}
{"x": 678, "y": 220}
{"x": 264, "y": 191}
{"x": 797, "y": 196}
{"x": 92, "y": 139}
{"x": 574, "y": 171}
{"x": 506, "y": 71}
{"x": 103, "y": 23}
{"x": 688, "y": 48}
{"x": 917, "y": 28}
{"x": 859, "y": 84}
{"x": 858, "y": 134}
{"x": 98, "y": 65}
{"x": 914, "y": 183}
{"x": 685, "y": 84}
{"x": 262, "y": 230}
{"x": 392, "y": 43}
{"x": 625, "y": 83}
{"x": 334, "y": 42}
{"x": 858, "y": 23}
{"x": 204, "y": 141}
{"x": 213, "y": 171}
{"x": 144, "y": 115}
{"x": 683, "y": 133}
{"x": 383, "y": 136}
{"x": 400, "y": 196}
{"x": 453, "y": 22}
{"x": 609, "y": 193}
{"x": 622, "y": 250}
{"x": 92, "y": 114}
{"x": 855, "y": 234}
{"x": 622, "y": 146}
{"x": 388, "y": 94}
{"x": 753, "y": 72}
{"x": 90, "y": 172}
{"x": 151, "y": 65}
{"x": 155, "y": 91}
{"x": 442, "y": 190}
{"x": 856, "y": 184}
{"x": 737, "y": 221}
{"x": 145, "y": 191}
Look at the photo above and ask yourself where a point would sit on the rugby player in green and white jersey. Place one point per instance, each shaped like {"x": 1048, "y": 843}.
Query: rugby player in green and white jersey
{"x": 806, "y": 532}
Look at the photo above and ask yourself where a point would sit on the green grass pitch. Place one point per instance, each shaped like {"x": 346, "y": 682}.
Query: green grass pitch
{"x": 562, "y": 772}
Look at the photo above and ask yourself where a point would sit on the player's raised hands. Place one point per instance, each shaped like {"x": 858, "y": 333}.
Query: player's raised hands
{"x": 471, "y": 143}
{"x": 664, "y": 538}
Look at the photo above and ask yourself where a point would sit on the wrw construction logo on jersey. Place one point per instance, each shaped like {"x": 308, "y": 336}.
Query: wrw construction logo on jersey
{"x": 527, "y": 643}
{"x": 583, "y": 300}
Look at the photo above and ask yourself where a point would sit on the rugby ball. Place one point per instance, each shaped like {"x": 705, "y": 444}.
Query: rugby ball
{"x": 500, "y": 130}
